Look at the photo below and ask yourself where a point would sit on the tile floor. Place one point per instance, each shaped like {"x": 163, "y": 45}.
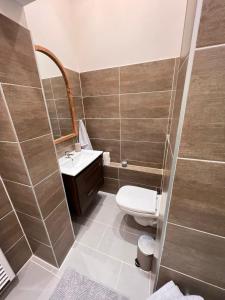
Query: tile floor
{"x": 104, "y": 250}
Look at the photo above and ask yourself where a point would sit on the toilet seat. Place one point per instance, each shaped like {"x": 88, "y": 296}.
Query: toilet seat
{"x": 137, "y": 199}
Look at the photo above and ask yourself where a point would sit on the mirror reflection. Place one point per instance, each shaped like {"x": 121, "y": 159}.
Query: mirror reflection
{"x": 55, "y": 90}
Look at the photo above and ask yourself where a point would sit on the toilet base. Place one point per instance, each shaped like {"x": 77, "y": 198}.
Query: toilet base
{"x": 145, "y": 221}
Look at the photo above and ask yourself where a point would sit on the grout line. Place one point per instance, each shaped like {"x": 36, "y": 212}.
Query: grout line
{"x": 9, "y": 142}
{"x": 134, "y": 141}
{"x": 168, "y": 268}
{"x": 8, "y": 213}
{"x": 19, "y": 85}
{"x": 23, "y": 213}
{"x": 197, "y": 230}
{"x": 4, "y": 179}
{"x": 133, "y": 93}
{"x": 43, "y": 261}
{"x": 35, "y": 138}
{"x": 42, "y": 180}
{"x": 14, "y": 244}
{"x": 54, "y": 209}
{"x": 25, "y": 265}
{"x": 49, "y": 246}
{"x": 119, "y": 274}
{"x": 55, "y": 109}
{"x": 209, "y": 47}
{"x": 202, "y": 160}
{"x": 183, "y": 63}
{"x": 42, "y": 267}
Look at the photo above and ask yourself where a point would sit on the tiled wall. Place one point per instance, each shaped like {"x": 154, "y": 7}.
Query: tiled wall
{"x": 12, "y": 240}
{"x": 58, "y": 108}
{"x": 127, "y": 111}
{"x": 193, "y": 254}
{"x": 28, "y": 162}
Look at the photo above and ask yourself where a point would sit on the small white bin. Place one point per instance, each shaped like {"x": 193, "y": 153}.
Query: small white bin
{"x": 145, "y": 252}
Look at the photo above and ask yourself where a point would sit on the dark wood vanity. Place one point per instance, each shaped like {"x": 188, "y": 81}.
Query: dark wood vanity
{"x": 82, "y": 188}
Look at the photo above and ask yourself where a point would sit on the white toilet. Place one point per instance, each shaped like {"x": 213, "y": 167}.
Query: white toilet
{"x": 142, "y": 204}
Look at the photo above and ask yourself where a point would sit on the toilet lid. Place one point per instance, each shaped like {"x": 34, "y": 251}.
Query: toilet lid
{"x": 137, "y": 199}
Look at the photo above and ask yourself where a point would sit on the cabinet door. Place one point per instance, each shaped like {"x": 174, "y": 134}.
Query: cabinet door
{"x": 89, "y": 182}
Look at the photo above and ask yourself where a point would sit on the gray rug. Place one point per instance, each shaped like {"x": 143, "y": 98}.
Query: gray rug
{"x": 74, "y": 286}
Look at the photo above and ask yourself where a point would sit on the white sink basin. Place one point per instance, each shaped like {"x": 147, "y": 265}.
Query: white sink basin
{"x": 78, "y": 161}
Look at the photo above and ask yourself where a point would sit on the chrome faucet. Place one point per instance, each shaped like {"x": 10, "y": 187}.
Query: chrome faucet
{"x": 68, "y": 154}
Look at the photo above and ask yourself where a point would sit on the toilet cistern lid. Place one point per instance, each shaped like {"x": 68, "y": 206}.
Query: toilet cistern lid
{"x": 137, "y": 199}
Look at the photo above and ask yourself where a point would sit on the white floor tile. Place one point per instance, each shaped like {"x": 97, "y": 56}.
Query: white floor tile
{"x": 33, "y": 283}
{"x": 90, "y": 233}
{"x": 93, "y": 265}
{"x": 119, "y": 244}
{"x": 133, "y": 283}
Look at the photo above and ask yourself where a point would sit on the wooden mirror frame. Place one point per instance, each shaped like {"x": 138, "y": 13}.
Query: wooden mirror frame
{"x": 68, "y": 90}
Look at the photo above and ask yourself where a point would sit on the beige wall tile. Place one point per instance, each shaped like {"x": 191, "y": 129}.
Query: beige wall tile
{"x": 11, "y": 163}
{"x": 100, "y": 82}
{"x": 147, "y": 77}
{"x": 145, "y": 105}
{"x": 152, "y": 130}
{"x": 189, "y": 285}
{"x": 23, "y": 198}
{"x": 198, "y": 196}
{"x": 40, "y": 157}
{"x": 17, "y": 42}
{"x": 103, "y": 128}
{"x": 46, "y": 83}
{"x": 204, "y": 126}
{"x": 101, "y": 107}
{"x": 28, "y": 112}
{"x": 18, "y": 255}
{"x": 195, "y": 253}
{"x": 10, "y": 231}
{"x": 212, "y": 24}
{"x": 111, "y": 146}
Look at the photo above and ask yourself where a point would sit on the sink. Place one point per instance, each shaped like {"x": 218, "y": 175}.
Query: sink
{"x": 77, "y": 161}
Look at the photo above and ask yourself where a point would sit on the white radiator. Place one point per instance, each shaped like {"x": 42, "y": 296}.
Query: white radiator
{"x": 6, "y": 272}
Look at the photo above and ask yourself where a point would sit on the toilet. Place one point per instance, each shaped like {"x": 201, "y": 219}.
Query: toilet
{"x": 141, "y": 203}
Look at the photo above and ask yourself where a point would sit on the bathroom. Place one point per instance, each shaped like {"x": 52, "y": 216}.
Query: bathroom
{"x": 112, "y": 149}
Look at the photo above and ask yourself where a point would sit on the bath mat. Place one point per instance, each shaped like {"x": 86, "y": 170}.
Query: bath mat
{"x": 74, "y": 286}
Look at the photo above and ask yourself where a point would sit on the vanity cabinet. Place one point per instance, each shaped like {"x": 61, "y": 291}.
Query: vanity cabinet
{"x": 82, "y": 188}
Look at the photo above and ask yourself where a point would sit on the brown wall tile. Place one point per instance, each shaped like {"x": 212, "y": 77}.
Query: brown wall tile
{"x": 12, "y": 166}
{"x": 34, "y": 122}
{"x": 190, "y": 286}
{"x": 63, "y": 244}
{"x": 49, "y": 193}
{"x": 145, "y": 105}
{"x": 103, "y": 128}
{"x": 111, "y": 172}
{"x": 101, "y": 107}
{"x": 57, "y": 221}
{"x": 51, "y": 109}
{"x": 147, "y": 77}
{"x": 153, "y": 130}
{"x": 74, "y": 80}
{"x": 204, "y": 126}
{"x": 46, "y": 83}
{"x": 43, "y": 251}
{"x": 177, "y": 105}
{"x": 33, "y": 228}
{"x": 10, "y": 231}
{"x": 19, "y": 67}
{"x": 198, "y": 196}
{"x": 40, "y": 157}
{"x": 78, "y": 107}
{"x": 6, "y": 129}
{"x": 63, "y": 109}
{"x": 111, "y": 146}
{"x": 23, "y": 198}
{"x": 140, "y": 177}
{"x": 5, "y": 206}
{"x": 145, "y": 152}
{"x": 18, "y": 255}
{"x": 58, "y": 87}
{"x": 195, "y": 253}
{"x": 110, "y": 185}
{"x": 100, "y": 82}
{"x": 212, "y": 24}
